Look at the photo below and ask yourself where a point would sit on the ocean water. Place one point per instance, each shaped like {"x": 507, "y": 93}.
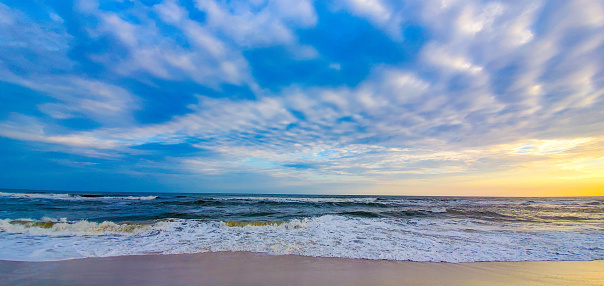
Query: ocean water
{"x": 38, "y": 226}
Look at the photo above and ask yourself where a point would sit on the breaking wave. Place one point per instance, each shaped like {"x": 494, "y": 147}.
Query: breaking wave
{"x": 62, "y": 227}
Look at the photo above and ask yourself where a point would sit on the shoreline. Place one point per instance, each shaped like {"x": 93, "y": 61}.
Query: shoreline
{"x": 248, "y": 268}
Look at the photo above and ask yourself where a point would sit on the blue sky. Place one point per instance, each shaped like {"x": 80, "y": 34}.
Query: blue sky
{"x": 351, "y": 96}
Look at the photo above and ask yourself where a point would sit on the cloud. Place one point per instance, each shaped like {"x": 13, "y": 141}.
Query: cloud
{"x": 31, "y": 45}
{"x": 386, "y": 15}
{"x": 37, "y": 59}
{"x": 209, "y": 52}
{"x": 258, "y": 24}
{"x": 78, "y": 97}
{"x": 194, "y": 52}
{"x": 299, "y": 115}
{"x": 30, "y": 129}
{"x": 545, "y": 147}
{"x": 519, "y": 52}
{"x": 335, "y": 66}
{"x": 504, "y": 39}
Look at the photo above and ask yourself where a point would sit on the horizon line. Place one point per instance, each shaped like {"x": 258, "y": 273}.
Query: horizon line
{"x": 294, "y": 194}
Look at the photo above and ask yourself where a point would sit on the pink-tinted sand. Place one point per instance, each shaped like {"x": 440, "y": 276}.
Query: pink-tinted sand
{"x": 242, "y": 268}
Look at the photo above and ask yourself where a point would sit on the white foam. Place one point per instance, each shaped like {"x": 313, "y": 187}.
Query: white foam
{"x": 140, "y": 198}
{"x": 72, "y": 197}
{"x": 419, "y": 239}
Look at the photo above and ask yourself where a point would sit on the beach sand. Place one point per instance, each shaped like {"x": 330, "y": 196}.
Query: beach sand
{"x": 243, "y": 268}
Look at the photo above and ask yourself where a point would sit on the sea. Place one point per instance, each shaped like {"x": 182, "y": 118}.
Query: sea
{"x": 47, "y": 226}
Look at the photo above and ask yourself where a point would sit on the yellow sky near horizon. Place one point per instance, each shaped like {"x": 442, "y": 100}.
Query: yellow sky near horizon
{"x": 557, "y": 167}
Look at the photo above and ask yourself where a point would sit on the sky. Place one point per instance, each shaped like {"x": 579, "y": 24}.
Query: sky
{"x": 419, "y": 97}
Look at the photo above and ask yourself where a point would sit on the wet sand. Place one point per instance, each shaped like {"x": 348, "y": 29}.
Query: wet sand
{"x": 242, "y": 268}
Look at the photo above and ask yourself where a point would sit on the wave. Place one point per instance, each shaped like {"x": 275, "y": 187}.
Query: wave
{"x": 566, "y": 202}
{"x": 201, "y": 202}
{"x": 405, "y": 213}
{"x": 361, "y": 214}
{"x": 300, "y": 199}
{"x": 414, "y": 239}
{"x": 417, "y": 212}
{"x": 62, "y": 227}
{"x": 57, "y": 196}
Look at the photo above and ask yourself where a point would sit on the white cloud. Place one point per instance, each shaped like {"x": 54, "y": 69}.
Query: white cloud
{"x": 79, "y": 97}
{"x": 207, "y": 60}
{"x": 515, "y": 60}
{"x": 518, "y": 54}
{"x": 272, "y": 124}
{"x": 545, "y": 147}
{"x": 40, "y": 62}
{"x": 472, "y": 22}
{"x": 30, "y": 129}
{"x": 6, "y": 15}
{"x": 257, "y": 24}
{"x": 171, "y": 12}
{"x": 386, "y": 15}
{"x": 212, "y": 54}
{"x": 439, "y": 56}
{"x": 31, "y": 46}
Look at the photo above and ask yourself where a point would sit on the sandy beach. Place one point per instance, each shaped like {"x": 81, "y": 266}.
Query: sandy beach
{"x": 243, "y": 268}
